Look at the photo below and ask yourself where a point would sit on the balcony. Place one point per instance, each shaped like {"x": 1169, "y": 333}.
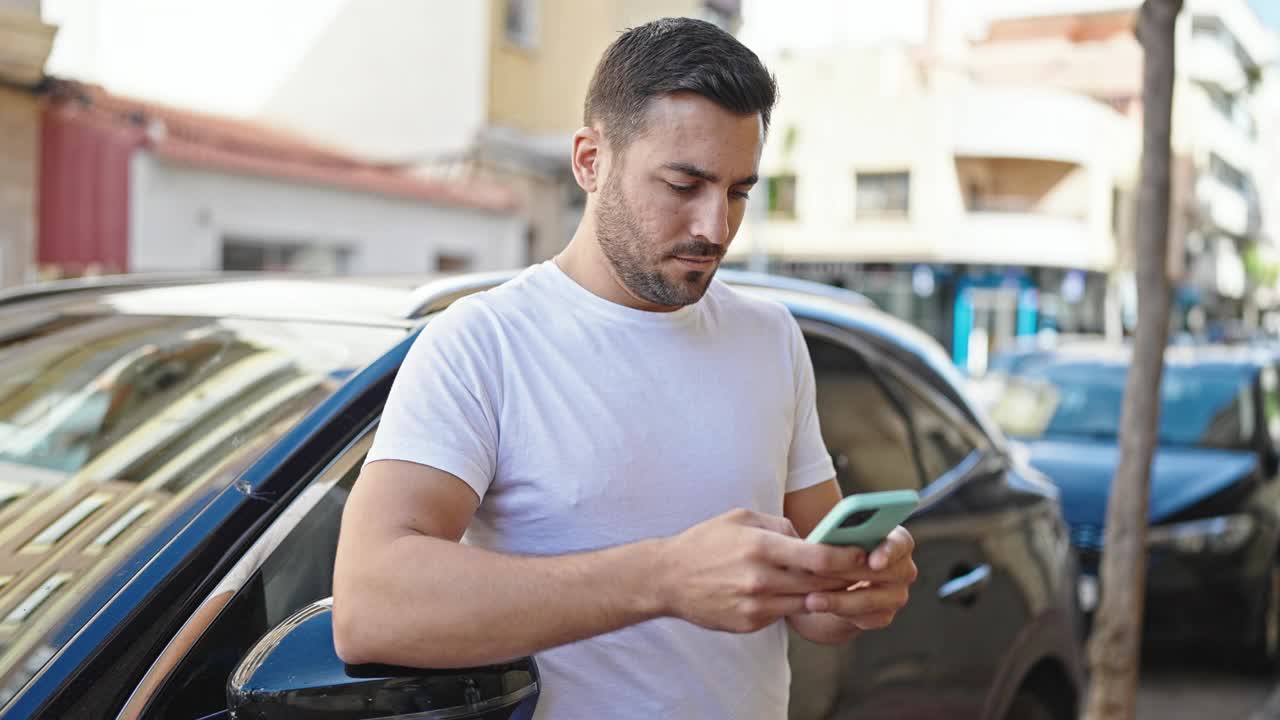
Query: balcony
{"x": 1029, "y": 239}
{"x": 1210, "y": 61}
{"x": 1010, "y": 122}
{"x": 1220, "y": 135}
{"x": 1226, "y": 208}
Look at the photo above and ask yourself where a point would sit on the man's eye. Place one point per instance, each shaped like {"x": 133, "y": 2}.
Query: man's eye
{"x": 682, "y": 189}
{"x": 738, "y": 194}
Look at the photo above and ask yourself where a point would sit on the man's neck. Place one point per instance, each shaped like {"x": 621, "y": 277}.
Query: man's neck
{"x": 585, "y": 263}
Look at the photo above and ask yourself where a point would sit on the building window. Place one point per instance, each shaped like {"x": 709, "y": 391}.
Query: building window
{"x": 520, "y": 23}
{"x": 882, "y": 194}
{"x": 1117, "y": 208}
{"x": 453, "y": 262}
{"x": 781, "y": 196}
{"x": 249, "y": 255}
{"x": 1211, "y": 27}
{"x": 1227, "y": 174}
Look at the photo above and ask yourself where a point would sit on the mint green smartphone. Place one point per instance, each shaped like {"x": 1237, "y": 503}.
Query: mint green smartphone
{"x": 864, "y": 520}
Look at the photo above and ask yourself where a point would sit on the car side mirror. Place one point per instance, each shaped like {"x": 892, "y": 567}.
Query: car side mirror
{"x": 294, "y": 673}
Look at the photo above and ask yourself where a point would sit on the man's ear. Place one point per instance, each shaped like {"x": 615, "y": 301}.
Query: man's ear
{"x": 586, "y": 158}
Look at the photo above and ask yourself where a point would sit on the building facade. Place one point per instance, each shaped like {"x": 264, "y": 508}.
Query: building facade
{"x": 25, "y": 43}
{"x": 1222, "y": 48}
{"x": 889, "y": 170}
{"x": 127, "y": 186}
{"x": 497, "y": 91}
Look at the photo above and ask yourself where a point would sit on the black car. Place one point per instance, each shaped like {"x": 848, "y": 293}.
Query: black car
{"x": 1213, "y": 568}
{"x": 176, "y": 456}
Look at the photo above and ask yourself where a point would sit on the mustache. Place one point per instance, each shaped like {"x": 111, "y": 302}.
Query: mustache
{"x": 698, "y": 250}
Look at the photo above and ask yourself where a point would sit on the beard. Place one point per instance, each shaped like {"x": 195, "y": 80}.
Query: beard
{"x": 639, "y": 265}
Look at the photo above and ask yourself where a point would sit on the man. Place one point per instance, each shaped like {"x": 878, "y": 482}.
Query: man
{"x": 631, "y": 448}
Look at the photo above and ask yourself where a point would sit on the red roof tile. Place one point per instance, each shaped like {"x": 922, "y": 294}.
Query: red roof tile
{"x": 247, "y": 147}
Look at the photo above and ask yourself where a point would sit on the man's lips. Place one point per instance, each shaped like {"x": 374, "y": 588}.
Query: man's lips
{"x": 699, "y": 260}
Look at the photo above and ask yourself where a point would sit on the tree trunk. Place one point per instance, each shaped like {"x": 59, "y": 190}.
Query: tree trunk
{"x": 1116, "y": 641}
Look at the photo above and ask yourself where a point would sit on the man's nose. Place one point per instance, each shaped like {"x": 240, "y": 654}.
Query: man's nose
{"x": 711, "y": 220}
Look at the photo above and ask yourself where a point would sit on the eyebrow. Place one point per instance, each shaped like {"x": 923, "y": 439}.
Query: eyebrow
{"x": 695, "y": 171}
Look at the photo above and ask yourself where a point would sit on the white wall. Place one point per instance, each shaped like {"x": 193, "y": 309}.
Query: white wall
{"x": 391, "y": 80}
{"x": 222, "y": 57}
{"x": 179, "y": 214}
{"x": 868, "y": 110}
{"x": 383, "y": 78}
{"x": 1267, "y": 168}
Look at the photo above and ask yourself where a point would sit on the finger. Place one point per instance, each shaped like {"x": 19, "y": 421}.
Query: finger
{"x": 772, "y": 523}
{"x": 771, "y": 607}
{"x": 897, "y": 545}
{"x": 875, "y": 621}
{"x": 826, "y": 560}
{"x": 777, "y": 581}
{"x": 874, "y": 600}
{"x": 903, "y": 572}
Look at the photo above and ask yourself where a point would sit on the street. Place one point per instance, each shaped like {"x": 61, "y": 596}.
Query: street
{"x": 1187, "y": 687}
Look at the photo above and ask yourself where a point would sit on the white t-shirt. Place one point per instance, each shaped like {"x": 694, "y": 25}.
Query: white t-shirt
{"x": 583, "y": 424}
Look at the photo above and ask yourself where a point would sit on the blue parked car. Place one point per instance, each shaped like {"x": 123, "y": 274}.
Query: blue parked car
{"x": 175, "y": 456}
{"x": 1213, "y": 565}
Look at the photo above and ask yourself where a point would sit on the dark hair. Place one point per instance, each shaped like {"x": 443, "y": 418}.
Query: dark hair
{"x": 674, "y": 55}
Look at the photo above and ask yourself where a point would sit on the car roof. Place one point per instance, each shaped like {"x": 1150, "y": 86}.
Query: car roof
{"x": 1118, "y": 354}
{"x": 405, "y": 300}
{"x": 375, "y": 301}
{"x": 362, "y": 299}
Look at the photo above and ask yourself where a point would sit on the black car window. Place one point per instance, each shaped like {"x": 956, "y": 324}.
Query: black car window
{"x": 945, "y": 437}
{"x": 865, "y": 430}
{"x": 116, "y": 428}
{"x": 289, "y": 567}
{"x": 1203, "y": 404}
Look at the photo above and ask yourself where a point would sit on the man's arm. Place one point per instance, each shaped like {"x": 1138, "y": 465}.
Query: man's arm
{"x": 406, "y": 592}
{"x": 837, "y": 617}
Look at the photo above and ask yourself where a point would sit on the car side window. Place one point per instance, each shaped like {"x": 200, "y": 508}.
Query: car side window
{"x": 865, "y": 431}
{"x": 288, "y": 567}
{"x": 945, "y": 438}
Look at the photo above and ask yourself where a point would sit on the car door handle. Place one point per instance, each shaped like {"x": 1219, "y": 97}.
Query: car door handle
{"x": 968, "y": 586}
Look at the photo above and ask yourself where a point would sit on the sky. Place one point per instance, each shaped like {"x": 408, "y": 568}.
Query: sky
{"x": 1269, "y": 11}
{"x": 226, "y": 56}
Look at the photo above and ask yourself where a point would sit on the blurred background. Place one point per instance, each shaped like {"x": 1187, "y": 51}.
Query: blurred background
{"x": 969, "y": 166}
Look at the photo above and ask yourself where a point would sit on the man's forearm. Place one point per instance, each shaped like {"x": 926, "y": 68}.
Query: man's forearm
{"x": 428, "y": 602}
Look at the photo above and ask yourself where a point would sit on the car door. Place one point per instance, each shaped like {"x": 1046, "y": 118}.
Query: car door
{"x": 888, "y": 427}
{"x": 885, "y": 674}
{"x": 1003, "y": 583}
{"x": 288, "y": 567}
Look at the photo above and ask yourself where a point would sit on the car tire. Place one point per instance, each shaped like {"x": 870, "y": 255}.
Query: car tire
{"x": 1264, "y": 651}
{"x": 1029, "y": 706}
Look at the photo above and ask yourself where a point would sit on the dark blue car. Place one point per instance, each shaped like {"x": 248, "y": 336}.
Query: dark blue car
{"x": 1213, "y": 566}
{"x": 175, "y": 456}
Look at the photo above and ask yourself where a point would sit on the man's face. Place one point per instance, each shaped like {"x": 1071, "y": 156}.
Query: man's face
{"x": 672, "y": 202}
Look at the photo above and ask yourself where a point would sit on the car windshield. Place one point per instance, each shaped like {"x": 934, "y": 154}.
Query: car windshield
{"x": 116, "y": 428}
{"x": 1200, "y": 405}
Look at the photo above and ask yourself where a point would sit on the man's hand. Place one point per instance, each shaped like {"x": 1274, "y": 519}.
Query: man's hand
{"x": 743, "y": 571}
{"x": 876, "y": 593}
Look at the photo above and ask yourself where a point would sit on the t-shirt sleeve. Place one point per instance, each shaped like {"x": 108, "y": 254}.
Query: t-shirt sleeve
{"x": 442, "y": 409}
{"x": 808, "y": 462}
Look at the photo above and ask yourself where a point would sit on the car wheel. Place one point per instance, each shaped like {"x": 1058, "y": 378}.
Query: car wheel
{"x": 1265, "y": 650}
{"x": 1028, "y": 706}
